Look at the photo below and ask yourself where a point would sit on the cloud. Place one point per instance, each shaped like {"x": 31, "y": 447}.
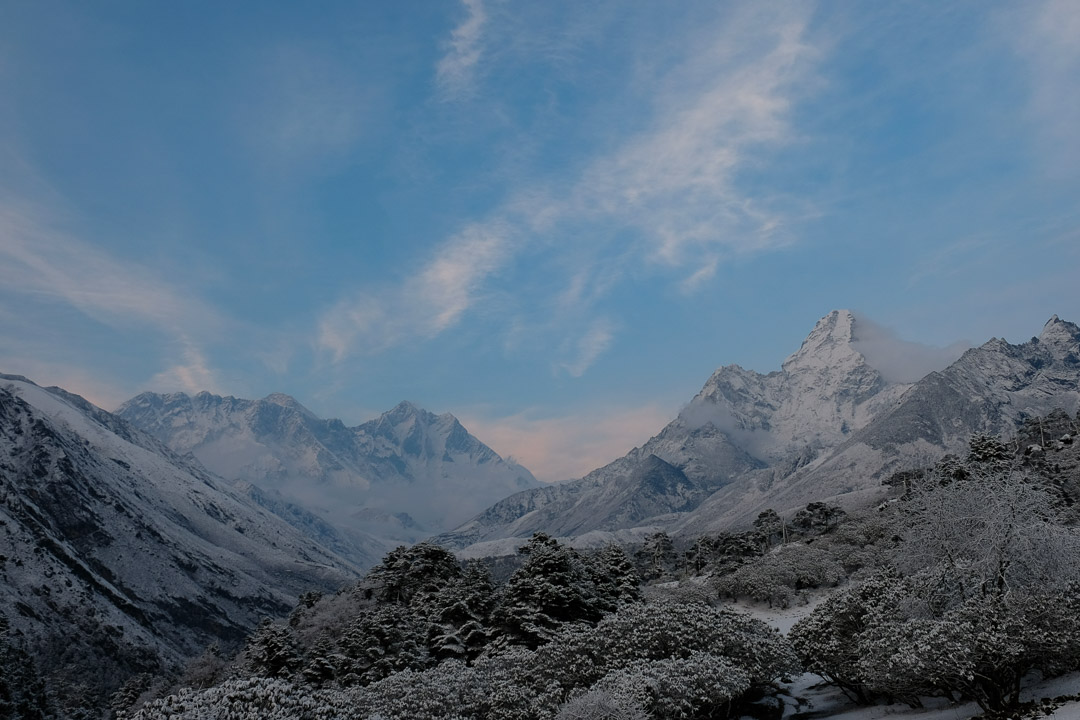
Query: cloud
{"x": 700, "y": 276}
{"x": 193, "y": 375}
{"x": 589, "y": 347}
{"x": 897, "y": 360}
{"x": 456, "y": 70}
{"x": 560, "y": 448}
{"x": 427, "y": 303}
{"x": 1047, "y": 36}
{"x": 677, "y": 182}
{"x": 668, "y": 198}
{"x": 46, "y": 265}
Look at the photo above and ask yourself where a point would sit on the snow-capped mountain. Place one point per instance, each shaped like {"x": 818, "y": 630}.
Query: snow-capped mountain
{"x": 828, "y": 425}
{"x": 989, "y": 389}
{"x": 402, "y": 476}
{"x": 118, "y": 556}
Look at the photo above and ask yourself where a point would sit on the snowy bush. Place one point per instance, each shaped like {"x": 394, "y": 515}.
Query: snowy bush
{"x": 778, "y": 576}
{"x": 678, "y": 688}
{"x": 601, "y": 705}
{"x": 250, "y": 699}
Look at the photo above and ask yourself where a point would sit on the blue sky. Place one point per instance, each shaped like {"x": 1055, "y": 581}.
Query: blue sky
{"x": 553, "y": 219}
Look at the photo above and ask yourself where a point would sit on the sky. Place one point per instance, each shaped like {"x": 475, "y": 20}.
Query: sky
{"x": 554, "y": 219}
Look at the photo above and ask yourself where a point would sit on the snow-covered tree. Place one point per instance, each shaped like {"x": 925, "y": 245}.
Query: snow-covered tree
{"x": 601, "y": 705}
{"x": 656, "y": 557}
{"x": 271, "y": 651}
{"x": 406, "y": 572}
{"x": 771, "y": 526}
{"x": 615, "y": 577}
{"x": 460, "y": 615}
{"x": 553, "y": 587}
{"x": 381, "y": 641}
{"x": 22, "y": 692}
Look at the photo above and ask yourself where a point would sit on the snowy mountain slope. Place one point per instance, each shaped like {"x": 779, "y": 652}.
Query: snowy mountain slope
{"x": 118, "y": 556}
{"x": 402, "y": 476}
{"x": 990, "y": 389}
{"x": 827, "y": 425}
{"x": 741, "y": 422}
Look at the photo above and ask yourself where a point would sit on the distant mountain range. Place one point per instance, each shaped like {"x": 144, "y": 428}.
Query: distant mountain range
{"x": 401, "y": 477}
{"x": 827, "y": 426}
{"x": 119, "y": 556}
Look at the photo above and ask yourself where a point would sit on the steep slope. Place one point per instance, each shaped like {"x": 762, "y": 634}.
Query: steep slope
{"x": 741, "y": 423}
{"x": 401, "y": 476}
{"x": 118, "y": 556}
{"x": 990, "y": 389}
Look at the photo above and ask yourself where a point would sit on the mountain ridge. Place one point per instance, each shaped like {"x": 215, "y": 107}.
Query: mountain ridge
{"x": 828, "y": 425}
{"x": 405, "y": 463}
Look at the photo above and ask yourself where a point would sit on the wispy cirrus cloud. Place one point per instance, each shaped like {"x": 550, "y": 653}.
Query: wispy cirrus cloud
{"x": 590, "y": 346}
{"x": 44, "y": 262}
{"x": 666, "y": 199}
{"x": 46, "y": 265}
{"x": 456, "y": 70}
{"x": 425, "y": 304}
{"x": 1047, "y": 36}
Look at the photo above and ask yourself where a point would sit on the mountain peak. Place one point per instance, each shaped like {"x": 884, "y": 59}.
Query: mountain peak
{"x": 403, "y": 411}
{"x": 1058, "y": 329}
{"x": 831, "y": 335}
{"x": 1060, "y": 335}
{"x": 287, "y": 401}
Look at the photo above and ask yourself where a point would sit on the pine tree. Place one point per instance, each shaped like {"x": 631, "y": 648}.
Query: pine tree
{"x": 656, "y": 558}
{"x": 552, "y": 588}
{"x": 460, "y": 616}
{"x": 410, "y": 571}
{"x": 615, "y": 577}
{"x": 271, "y": 651}
{"x": 22, "y": 691}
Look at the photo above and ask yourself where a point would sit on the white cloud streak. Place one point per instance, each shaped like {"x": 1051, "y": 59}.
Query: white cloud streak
{"x": 192, "y": 375}
{"x": 1047, "y": 36}
{"x": 47, "y": 265}
{"x": 426, "y": 304}
{"x": 596, "y": 340}
{"x": 456, "y": 70}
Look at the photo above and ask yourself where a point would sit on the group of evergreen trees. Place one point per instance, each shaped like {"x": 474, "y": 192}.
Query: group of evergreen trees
{"x": 421, "y": 637}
